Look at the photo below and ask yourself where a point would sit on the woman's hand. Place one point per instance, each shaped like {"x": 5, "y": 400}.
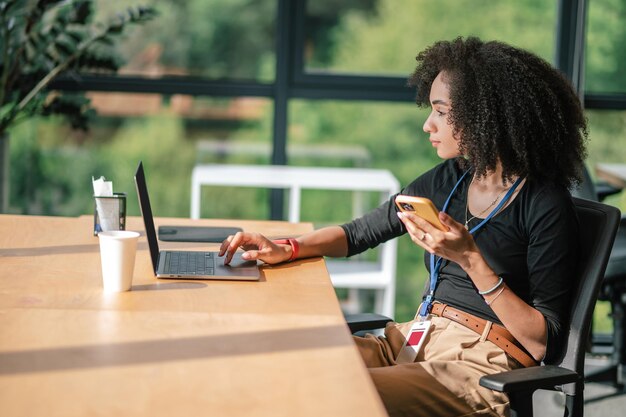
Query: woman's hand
{"x": 256, "y": 247}
{"x": 455, "y": 245}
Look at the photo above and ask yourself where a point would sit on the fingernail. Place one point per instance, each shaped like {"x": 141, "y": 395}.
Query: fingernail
{"x": 245, "y": 255}
{"x": 400, "y": 214}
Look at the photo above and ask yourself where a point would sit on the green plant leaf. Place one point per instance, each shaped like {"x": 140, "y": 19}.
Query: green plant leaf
{"x": 66, "y": 42}
{"x": 73, "y": 106}
{"x": 48, "y": 37}
{"x": 4, "y": 111}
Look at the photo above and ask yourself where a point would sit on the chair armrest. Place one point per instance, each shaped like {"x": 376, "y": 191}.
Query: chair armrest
{"x": 529, "y": 379}
{"x": 366, "y": 321}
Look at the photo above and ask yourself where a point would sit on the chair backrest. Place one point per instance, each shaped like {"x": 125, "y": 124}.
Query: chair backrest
{"x": 598, "y": 225}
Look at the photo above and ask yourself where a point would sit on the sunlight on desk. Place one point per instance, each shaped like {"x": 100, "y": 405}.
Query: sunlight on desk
{"x": 219, "y": 348}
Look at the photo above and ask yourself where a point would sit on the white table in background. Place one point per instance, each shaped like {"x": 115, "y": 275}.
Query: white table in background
{"x": 378, "y": 275}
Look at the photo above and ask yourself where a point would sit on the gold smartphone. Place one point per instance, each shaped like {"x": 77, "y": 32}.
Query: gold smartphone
{"x": 421, "y": 206}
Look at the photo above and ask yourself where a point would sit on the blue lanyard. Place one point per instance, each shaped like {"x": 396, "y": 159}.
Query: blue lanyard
{"x": 435, "y": 262}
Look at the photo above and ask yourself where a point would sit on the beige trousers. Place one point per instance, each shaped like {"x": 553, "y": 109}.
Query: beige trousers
{"x": 443, "y": 380}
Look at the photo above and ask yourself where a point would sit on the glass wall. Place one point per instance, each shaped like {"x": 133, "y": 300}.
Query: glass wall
{"x": 607, "y": 135}
{"x": 52, "y": 165}
{"x": 231, "y": 39}
{"x": 606, "y": 47}
{"x": 383, "y": 37}
{"x": 605, "y": 66}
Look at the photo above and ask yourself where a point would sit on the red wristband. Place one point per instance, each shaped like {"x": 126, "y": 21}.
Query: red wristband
{"x": 295, "y": 247}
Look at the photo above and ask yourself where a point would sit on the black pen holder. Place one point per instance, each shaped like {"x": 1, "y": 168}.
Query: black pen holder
{"x": 109, "y": 213}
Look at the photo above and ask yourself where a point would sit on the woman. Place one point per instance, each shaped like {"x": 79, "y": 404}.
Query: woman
{"x": 512, "y": 134}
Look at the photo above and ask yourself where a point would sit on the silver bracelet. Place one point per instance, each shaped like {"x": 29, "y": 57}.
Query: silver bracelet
{"x": 494, "y": 297}
{"x": 492, "y": 289}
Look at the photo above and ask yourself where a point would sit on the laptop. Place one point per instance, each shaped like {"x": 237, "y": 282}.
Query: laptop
{"x": 188, "y": 264}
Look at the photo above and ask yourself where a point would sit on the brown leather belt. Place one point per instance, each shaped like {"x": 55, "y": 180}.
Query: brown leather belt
{"x": 498, "y": 335}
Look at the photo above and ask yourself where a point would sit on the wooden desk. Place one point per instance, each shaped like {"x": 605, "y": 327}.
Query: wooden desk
{"x": 614, "y": 174}
{"x": 278, "y": 347}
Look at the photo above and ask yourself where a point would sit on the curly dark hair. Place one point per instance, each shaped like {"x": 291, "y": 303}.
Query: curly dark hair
{"x": 507, "y": 105}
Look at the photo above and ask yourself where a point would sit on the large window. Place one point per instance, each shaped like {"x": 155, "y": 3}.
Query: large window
{"x": 52, "y": 165}
{"x": 383, "y": 37}
{"x": 295, "y": 57}
{"x": 605, "y": 84}
{"x": 607, "y": 131}
{"x": 606, "y": 47}
{"x": 216, "y": 39}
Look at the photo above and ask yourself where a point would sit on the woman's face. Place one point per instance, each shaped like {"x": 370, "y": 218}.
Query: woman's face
{"x": 437, "y": 125}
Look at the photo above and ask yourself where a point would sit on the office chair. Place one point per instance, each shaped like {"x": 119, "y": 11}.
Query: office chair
{"x": 613, "y": 288}
{"x": 598, "y": 226}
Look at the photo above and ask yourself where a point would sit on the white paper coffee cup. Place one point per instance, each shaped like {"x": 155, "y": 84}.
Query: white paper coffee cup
{"x": 117, "y": 255}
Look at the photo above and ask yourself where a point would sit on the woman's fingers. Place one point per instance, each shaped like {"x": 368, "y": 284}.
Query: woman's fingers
{"x": 225, "y": 244}
{"x": 229, "y": 246}
{"x": 240, "y": 239}
{"x": 450, "y": 222}
{"x": 264, "y": 255}
{"x": 418, "y": 229}
{"x": 255, "y": 245}
{"x": 448, "y": 244}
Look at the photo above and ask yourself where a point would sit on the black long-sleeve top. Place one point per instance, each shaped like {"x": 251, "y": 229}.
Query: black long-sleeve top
{"x": 531, "y": 244}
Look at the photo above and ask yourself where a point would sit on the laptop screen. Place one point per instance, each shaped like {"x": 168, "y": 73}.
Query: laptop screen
{"x": 146, "y": 213}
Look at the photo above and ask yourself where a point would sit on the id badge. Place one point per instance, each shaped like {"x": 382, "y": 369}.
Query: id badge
{"x": 413, "y": 342}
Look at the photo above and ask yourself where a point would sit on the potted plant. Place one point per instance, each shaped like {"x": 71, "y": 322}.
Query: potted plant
{"x": 42, "y": 39}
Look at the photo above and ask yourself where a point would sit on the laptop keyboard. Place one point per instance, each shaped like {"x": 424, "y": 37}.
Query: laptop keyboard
{"x": 189, "y": 263}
